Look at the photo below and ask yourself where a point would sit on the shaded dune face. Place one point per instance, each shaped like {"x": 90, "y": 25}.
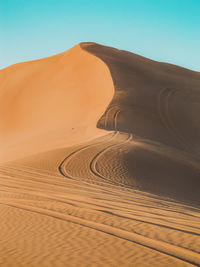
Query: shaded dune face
{"x": 152, "y": 100}
{"x": 159, "y": 104}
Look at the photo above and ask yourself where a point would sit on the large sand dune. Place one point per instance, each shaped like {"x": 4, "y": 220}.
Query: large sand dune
{"x": 100, "y": 161}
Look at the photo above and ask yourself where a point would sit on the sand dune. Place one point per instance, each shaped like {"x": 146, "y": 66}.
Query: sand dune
{"x": 100, "y": 161}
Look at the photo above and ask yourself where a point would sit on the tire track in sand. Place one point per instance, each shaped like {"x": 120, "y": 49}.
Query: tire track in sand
{"x": 94, "y": 161}
{"x": 62, "y": 167}
{"x": 159, "y": 246}
{"x": 163, "y": 110}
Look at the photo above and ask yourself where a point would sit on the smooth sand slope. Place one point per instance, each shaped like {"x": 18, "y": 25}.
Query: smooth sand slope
{"x": 52, "y": 102}
{"x": 100, "y": 161}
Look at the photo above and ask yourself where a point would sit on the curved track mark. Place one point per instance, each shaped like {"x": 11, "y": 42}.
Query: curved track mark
{"x": 63, "y": 170}
{"x": 62, "y": 166}
{"x": 159, "y": 246}
{"x": 107, "y": 115}
{"x": 115, "y": 118}
{"x": 163, "y": 110}
{"x": 94, "y": 161}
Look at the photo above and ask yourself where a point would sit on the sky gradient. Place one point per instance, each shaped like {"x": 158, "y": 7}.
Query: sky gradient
{"x": 163, "y": 30}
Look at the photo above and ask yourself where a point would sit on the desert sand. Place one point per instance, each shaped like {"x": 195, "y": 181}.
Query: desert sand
{"x": 100, "y": 161}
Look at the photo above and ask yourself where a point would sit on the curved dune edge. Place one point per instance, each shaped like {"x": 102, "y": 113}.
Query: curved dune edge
{"x": 52, "y": 102}
{"x": 152, "y": 100}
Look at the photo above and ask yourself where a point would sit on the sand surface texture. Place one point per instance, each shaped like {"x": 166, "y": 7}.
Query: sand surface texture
{"x": 100, "y": 161}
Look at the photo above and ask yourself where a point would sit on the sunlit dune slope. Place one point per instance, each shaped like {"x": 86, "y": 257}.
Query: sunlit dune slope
{"x": 52, "y": 102}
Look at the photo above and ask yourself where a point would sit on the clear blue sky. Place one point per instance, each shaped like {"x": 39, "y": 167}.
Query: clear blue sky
{"x": 164, "y": 30}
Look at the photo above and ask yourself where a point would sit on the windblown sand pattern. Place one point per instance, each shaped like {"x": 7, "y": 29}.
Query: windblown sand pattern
{"x": 100, "y": 161}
